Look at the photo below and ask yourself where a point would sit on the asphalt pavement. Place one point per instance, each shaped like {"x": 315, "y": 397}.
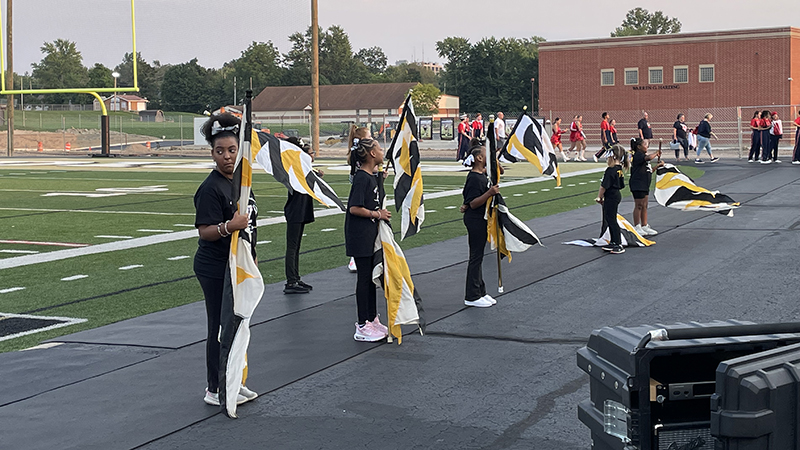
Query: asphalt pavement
{"x": 503, "y": 377}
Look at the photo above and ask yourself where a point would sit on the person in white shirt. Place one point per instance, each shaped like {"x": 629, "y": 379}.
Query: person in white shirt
{"x": 500, "y": 130}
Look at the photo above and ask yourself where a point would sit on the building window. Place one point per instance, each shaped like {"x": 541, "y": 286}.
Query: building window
{"x": 680, "y": 74}
{"x": 632, "y": 76}
{"x": 706, "y": 73}
{"x": 656, "y": 75}
{"x": 607, "y": 77}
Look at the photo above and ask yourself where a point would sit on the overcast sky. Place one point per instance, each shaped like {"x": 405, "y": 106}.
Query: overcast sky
{"x": 216, "y": 31}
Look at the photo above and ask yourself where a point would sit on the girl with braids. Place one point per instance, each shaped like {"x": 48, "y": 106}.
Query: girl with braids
{"x": 609, "y": 195}
{"x": 360, "y": 231}
{"x": 216, "y": 218}
{"x": 476, "y": 193}
{"x": 356, "y": 134}
{"x": 641, "y": 176}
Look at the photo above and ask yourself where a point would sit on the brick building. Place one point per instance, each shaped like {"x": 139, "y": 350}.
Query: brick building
{"x": 689, "y": 73}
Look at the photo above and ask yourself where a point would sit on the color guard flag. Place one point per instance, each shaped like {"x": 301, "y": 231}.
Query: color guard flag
{"x": 529, "y": 141}
{"x": 404, "y": 154}
{"x": 243, "y": 285}
{"x": 676, "y": 190}
{"x": 630, "y": 238}
{"x": 291, "y": 166}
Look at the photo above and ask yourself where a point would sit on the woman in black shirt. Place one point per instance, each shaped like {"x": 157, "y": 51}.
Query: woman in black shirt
{"x": 641, "y": 176}
{"x": 360, "y": 231}
{"x": 704, "y": 134}
{"x": 679, "y": 135}
{"x": 477, "y": 192}
{"x": 216, "y": 218}
{"x": 609, "y": 195}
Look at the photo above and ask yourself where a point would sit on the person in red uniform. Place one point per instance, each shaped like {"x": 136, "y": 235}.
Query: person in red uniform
{"x": 796, "y": 124}
{"x": 766, "y": 124}
{"x": 555, "y": 138}
{"x": 577, "y": 138}
{"x": 477, "y": 126}
{"x": 605, "y": 136}
{"x": 755, "y": 139}
{"x": 464, "y": 136}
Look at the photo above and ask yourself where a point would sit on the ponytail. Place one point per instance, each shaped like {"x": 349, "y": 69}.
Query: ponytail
{"x": 621, "y": 155}
{"x": 355, "y": 136}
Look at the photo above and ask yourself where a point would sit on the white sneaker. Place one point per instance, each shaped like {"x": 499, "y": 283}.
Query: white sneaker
{"x": 479, "y": 303}
{"x": 795, "y": 162}
{"x": 649, "y": 231}
{"x": 247, "y": 393}
{"x": 352, "y": 266}
{"x": 777, "y": 160}
{"x": 368, "y": 333}
{"x": 490, "y": 299}
{"x": 212, "y": 398}
{"x": 750, "y": 160}
{"x": 640, "y": 230}
{"x": 766, "y": 161}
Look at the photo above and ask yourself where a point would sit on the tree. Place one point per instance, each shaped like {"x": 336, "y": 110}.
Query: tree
{"x": 260, "y": 62}
{"x": 146, "y": 75}
{"x": 425, "y": 98}
{"x": 456, "y": 51}
{"x": 373, "y": 59}
{"x": 639, "y": 21}
{"x": 407, "y": 73}
{"x": 100, "y": 77}
{"x": 298, "y": 60}
{"x": 190, "y": 87}
{"x": 61, "y": 68}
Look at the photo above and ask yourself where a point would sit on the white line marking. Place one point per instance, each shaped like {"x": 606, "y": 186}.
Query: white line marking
{"x": 25, "y": 260}
{"x": 74, "y": 277}
{"x": 533, "y": 192}
{"x": 517, "y": 195}
{"x": 176, "y": 258}
{"x": 147, "y": 230}
{"x": 111, "y": 236}
{"x": 328, "y": 229}
{"x": 132, "y": 266}
{"x": 44, "y": 346}
{"x": 98, "y": 211}
{"x": 81, "y": 194}
{"x": 582, "y": 183}
{"x": 304, "y": 235}
{"x": 571, "y": 185}
{"x": 450, "y": 207}
{"x": 17, "y": 173}
{"x": 21, "y": 252}
{"x": 183, "y": 225}
{"x": 545, "y": 190}
{"x": 558, "y": 187}
{"x": 66, "y": 321}
{"x": 58, "y": 244}
{"x": 13, "y": 289}
{"x": 135, "y": 190}
{"x": 263, "y": 242}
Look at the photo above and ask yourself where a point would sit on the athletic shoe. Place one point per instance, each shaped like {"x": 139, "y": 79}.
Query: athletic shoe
{"x": 212, "y": 398}
{"x": 766, "y": 161}
{"x": 566, "y": 158}
{"x": 247, "y": 393}
{"x": 368, "y": 333}
{"x": 490, "y": 298}
{"x": 583, "y": 159}
{"x": 699, "y": 161}
{"x": 376, "y": 323}
{"x": 640, "y": 230}
{"x": 776, "y": 160}
{"x": 795, "y": 162}
{"x": 594, "y": 157}
{"x": 649, "y": 231}
{"x": 750, "y": 160}
{"x": 294, "y": 288}
{"x": 714, "y": 159}
{"x": 608, "y": 247}
{"x": 479, "y": 303}
{"x": 618, "y": 250}
{"x": 307, "y": 286}
{"x": 352, "y": 266}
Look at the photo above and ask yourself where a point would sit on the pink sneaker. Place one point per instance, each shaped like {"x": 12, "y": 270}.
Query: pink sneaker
{"x": 376, "y": 323}
{"x": 368, "y": 333}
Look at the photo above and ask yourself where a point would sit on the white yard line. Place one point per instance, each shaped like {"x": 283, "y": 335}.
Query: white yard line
{"x": 111, "y": 236}
{"x": 65, "y": 321}
{"x": 98, "y": 211}
{"x": 132, "y": 266}
{"x": 176, "y": 258}
{"x": 19, "y": 252}
{"x": 13, "y": 289}
{"x": 74, "y": 277}
{"x": 26, "y": 260}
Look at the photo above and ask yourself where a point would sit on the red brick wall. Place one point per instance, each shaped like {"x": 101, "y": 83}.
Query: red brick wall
{"x": 748, "y": 71}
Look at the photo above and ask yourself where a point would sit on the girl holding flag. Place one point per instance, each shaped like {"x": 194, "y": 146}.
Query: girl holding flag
{"x": 360, "y": 232}
{"x": 609, "y": 195}
{"x": 477, "y": 191}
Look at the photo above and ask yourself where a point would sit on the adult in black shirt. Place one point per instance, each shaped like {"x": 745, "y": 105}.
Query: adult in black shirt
{"x": 298, "y": 211}
{"x": 216, "y": 218}
{"x": 641, "y": 176}
{"x": 645, "y": 132}
{"x": 609, "y": 196}
{"x": 704, "y": 134}
{"x": 679, "y": 136}
{"x": 476, "y": 193}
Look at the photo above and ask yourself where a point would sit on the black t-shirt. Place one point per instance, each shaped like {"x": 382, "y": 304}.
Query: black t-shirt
{"x": 680, "y": 129}
{"x": 704, "y": 129}
{"x": 214, "y": 203}
{"x": 644, "y": 125}
{"x": 641, "y": 174}
{"x": 476, "y": 185}
{"x": 299, "y": 208}
{"x": 613, "y": 181}
{"x": 360, "y": 232}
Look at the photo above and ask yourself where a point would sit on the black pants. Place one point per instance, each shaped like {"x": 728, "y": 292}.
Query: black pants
{"x": 610, "y": 209}
{"x": 294, "y": 234}
{"x": 773, "y": 146}
{"x": 366, "y": 301}
{"x": 755, "y": 144}
{"x": 685, "y": 144}
{"x": 796, "y": 156}
{"x": 212, "y": 291}
{"x": 476, "y": 236}
{"x": 765, "y": 143}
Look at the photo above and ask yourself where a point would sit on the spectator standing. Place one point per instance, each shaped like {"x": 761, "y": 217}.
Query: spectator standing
{"x": 796, "y": 124}
{"x": 500, "y": 130}
{"x": 679, "y": 135}
{"x": 704, "y": 134}
{"x": 477, "y": 127}
{"x": 645, "y": 132}
{"x": 755, "y": 139}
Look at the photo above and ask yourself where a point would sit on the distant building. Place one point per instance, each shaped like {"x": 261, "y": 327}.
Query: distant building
{"x": 122, "y": 103}
{"x": 433, "y": 67}
{"x": 151, "y": 115}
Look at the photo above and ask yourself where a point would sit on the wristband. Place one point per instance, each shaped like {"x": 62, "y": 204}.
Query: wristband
{"x": 219, "y": 230}
{"x": 227, "y": 233}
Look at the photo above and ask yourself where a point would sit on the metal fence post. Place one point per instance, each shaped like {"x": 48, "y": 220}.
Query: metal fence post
{"x": 739, "y": 127}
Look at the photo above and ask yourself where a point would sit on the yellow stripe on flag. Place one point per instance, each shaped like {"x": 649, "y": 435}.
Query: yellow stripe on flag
{"x": 291, "y": 163}
{"x": 671, "y": 180}
{"x": 529, "y": 155}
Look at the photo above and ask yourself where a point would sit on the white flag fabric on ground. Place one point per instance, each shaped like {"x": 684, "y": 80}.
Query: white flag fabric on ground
{"x": 404, "y": 154}
{"x": 529, "y": 141}
{"x": 675, "y": 189}
{"x": 629, "y": 236}
{"x": 291, "y": 166}
{"x": 243, "y": 283}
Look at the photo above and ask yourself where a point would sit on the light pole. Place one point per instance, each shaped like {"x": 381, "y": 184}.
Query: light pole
{"x": 114, "y": 99}
{"x": 532, "y": 79}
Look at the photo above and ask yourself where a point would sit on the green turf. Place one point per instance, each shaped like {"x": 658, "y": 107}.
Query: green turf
{"x": 110, "y": 294}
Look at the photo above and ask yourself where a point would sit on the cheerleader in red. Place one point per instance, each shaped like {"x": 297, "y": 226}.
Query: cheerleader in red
{"x": 555, "y": 138}
{"x": 577, "y": 138}
{"x": 796, "y": 154}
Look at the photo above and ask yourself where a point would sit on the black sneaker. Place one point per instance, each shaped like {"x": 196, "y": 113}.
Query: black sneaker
{"x": 294, "y": 288}
{"x": 307, "y": 286}
{"x": 608, "y": 247}
{"x": 617, "y": 250}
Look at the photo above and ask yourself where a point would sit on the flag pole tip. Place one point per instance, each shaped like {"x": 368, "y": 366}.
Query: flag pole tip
{"x": 525, "y": 108}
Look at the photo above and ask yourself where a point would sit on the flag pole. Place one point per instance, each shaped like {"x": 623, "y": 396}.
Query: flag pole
{"x": 495, "y": 179}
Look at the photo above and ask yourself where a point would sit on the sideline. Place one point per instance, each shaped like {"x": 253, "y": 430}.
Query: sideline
{"x": 27, "y": 260}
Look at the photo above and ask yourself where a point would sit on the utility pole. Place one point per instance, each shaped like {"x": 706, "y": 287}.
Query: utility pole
{"x": 314, "y": 77}
{"x": 10, "y": 82}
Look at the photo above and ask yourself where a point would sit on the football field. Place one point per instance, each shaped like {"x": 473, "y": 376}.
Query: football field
{"x": 98, "y": 241}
